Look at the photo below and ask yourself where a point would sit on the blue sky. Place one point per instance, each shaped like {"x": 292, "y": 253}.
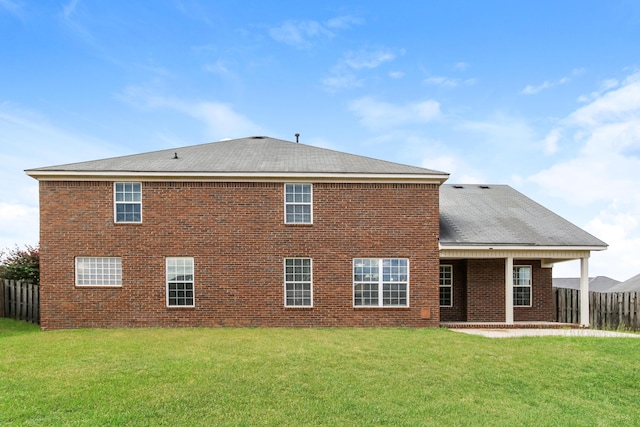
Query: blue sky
{"x": 540, "y": 95}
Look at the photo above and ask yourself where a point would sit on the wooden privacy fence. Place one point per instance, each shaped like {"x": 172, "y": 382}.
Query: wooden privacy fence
{"x": 20, "y": 301}
{"x": 607, "y": 310}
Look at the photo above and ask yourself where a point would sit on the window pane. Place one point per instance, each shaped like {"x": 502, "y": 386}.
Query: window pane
{"x": 298, "y": 203}
{"x": 522, "y": 285}
{"x": 98, "y": 271}
{"x": 366, "y": 294}
{"x": 128, "y": 198}
{"x": 298, "y": 282}
{"x": 445, "y": 296}
{"x": 370, "y": 288}
{"x": 180, "y": 287}
{"x": 394, "y": 294}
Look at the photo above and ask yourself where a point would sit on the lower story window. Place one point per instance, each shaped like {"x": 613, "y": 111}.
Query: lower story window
{"x": 98, "y": 271}
{"x": 446, "y": 286}
{"x": 297, "y": 282}
{"x": 522, "y": 285}
{"x": 381, "y": 282}
{"x": 180, "y": 282}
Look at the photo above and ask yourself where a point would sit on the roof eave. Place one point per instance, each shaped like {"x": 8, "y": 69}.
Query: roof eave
{"x": 515, "y": 247}
{"x": 62, "y": 175}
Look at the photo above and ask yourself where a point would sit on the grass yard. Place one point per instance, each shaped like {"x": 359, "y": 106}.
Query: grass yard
{"x": 313, "y": 377}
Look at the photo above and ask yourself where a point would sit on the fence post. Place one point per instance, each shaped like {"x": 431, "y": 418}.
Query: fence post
{"x": 2, "y": 298}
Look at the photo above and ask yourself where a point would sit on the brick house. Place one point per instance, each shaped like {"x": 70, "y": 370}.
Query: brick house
{"x": 264, "y": 232}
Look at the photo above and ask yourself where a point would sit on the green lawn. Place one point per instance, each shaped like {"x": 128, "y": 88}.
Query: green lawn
{"x": 313, "y": 377}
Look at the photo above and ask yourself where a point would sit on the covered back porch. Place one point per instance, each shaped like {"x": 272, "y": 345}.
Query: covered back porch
{"x": 505, "y": 287}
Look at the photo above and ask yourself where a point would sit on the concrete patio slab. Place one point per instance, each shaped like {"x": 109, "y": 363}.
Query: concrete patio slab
{"x": 513, "y": 333}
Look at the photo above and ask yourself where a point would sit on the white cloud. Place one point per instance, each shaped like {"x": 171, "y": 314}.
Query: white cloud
{"x": 74, "y": 15}
{"x": 619, "y": 226}
{"x": 341, "y": 81}
{"x": 534, "y": 89}
{"x": 368, "y": 58}
{"x": 605, "y": 86}
{"x": 433, "y": 154}
{"x": 69, "y": 9}
{"x": 343, "y": 74}
{"x": 13, "y": 7}
{"x": 219, "y": 67}
{"x": 30, "y": 140}
{"x": 396, "y": 74}
{"x": 447, "y": 82}
{"x": 219, "y": 119}
{"x": 344, "y": 22}
{"x": 550, "y": 142}
{"x": 460, "y": 66}
{"x": 18, "y": 225}
{"x": 603, "y": 174}
{"x": 376, "y": 114}
{"x": 300, "y": 34}
{"x": 501, "y": 127}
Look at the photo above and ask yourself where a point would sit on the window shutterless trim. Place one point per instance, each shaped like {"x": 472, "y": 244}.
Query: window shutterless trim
{"x": 529, "y": 286}
{"x": 116, "y": 202}
{"x": 290, "y": 189}
{"x": 449, "y": 286}
{"x": 298, "y": 281}
{"x": 182, "y": 277}
{"x": 103, "y": 272}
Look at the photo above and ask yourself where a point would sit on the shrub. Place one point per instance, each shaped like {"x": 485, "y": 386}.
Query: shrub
{"x": 21, "y": 264}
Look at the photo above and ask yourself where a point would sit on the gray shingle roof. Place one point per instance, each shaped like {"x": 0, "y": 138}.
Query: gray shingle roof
{"x": 631, "y": 285}
{"x": 479, "y": 215}
{"x": 596, "y": 284}
{"x": 245, "y": 155}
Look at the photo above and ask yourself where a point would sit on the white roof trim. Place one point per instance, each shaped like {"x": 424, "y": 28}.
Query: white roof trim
{"x": 226, "y": 176}
{"x": 499, "y": 247}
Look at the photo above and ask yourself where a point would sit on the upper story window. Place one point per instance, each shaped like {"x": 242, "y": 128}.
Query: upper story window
{"x": 128, "y": 202}
{"x": 180, "y": 282}
{"x": 298, "y": 290}
{"x": 98, "y": 271}
{"x": 298, "y": 204}
{"x": 522, "y": 285}
{"x": 446, "y": 286}
{"x": 381, "y": 282}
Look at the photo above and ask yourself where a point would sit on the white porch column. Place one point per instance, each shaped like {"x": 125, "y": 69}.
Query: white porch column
{"x": 508, "y": 290}
{"x": 584, "y": 292}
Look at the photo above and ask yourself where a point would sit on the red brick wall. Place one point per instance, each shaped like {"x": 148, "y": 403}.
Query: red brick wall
{"x": 486, "y": 293}
{"x": 236, "y": 234}
{"x": 485, "y": 290}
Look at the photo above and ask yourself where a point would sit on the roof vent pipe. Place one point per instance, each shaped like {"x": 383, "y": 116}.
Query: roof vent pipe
{"x": 175, "y": 155}
{"x": 297, "y": 136}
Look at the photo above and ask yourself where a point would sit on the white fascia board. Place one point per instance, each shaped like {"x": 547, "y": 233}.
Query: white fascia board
{"x": 520, "y": 248}
{"x": 235, "y": 176}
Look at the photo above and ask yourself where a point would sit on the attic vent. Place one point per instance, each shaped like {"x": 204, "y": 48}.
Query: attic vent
{"x": 483, "y": 186}
{"x": 458, "y": 186}
{"x": 257, "y": 137}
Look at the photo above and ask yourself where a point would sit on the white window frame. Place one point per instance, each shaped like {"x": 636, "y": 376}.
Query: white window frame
{"x": 379, "y": 281}
{"x": 99, "y": 272}
{"x": 517, "y": 283}
{"x": 117, "y": 202}
{"x": 170, "y": 260}
{"x": 444, "y": 285}
{"x": 298, "y": 203}
{"x": 298, "y": 282}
